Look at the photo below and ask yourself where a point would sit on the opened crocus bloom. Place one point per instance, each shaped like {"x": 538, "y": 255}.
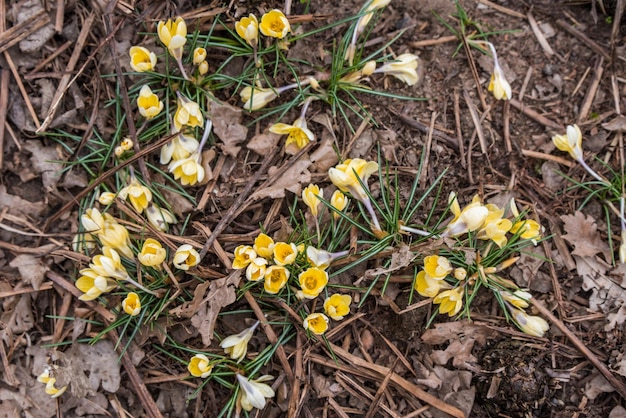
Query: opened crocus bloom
{"x": 186, "y": 257}
{"x": 244, "y": 254}
{"x": 253, "y": 392}
{"x": 248, "y": 29}
{"x": 256, "y": 269}
{"x": 428, "y": 286}
{"x": 285, "y": 253}
{"x": 148, "y": 103}
{"x": 173, "y": 35}
{"x": 152, "y": 253}
{"x": 131, "y": 304}
{"x": 347, "y": 174}
{"x": 299, "y": 134}
{"x": 139, "y": 195}
{"x": 189, "y": 170}
{"x": 188, "y": 113}
{"x": 570, "y": 142}
{"x": 275, "y": 279}
{"x": 337, "y": 306}
{"x": 274, "y": 24}
{"x": 403, "y": 68}
{"x": 495, "y": 227}
{"x": 237, "y": 345}
{"x": 141, "y": 59}
{"x": 469, "y": 219}
{"x": 312, "y": 281}
{"x": 317, "y": 323}
{"x": 200, "y": 366}
{"x": 450, "y": 301}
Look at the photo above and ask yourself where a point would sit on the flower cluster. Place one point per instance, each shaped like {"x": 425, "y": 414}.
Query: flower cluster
{"x": 451, "y": 280}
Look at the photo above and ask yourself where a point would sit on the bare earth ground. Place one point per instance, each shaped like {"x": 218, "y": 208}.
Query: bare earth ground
{"x": 388, "y": 361}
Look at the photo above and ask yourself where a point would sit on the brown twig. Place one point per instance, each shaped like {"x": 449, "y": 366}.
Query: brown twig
{"x": 535, "y": 116}
{"x": 584, "y": 38}
{"x": 477, "y": 122}
{"x": 22, "y": 30}
{"x": 5, "y": 75}
{"x": 601, "y": 367}
{"x": 585, "y": 107}
{"x": 422, "y": 127}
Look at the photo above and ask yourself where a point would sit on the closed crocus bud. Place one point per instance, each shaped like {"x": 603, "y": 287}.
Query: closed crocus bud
{"x": 519, "y": 298}
{"x": 403, "y": 68}
{"x": 92, "y": 221}
{"x": 203, "y": 68}
{"x": 159, "y": 217}
{"x": 93, "y": 285}
{"x": 529, "y": 324}
{"x": 498, "y": 85}
{"x": 116, "y": 236}
{"x": 199, "y": 55}
{"x": 248, "y": 29}
{"x": 339, "y": 201}
{"x": 264, "y": 245}
{"x": 186, "y": 257}
{"x": 141, "y": 59}
{"x": 571, "y": 142}
{"x": 274, "y": 24}
{"x": 131, "y": 304}
{"x": 152, "y": 253}
{"x": 317, "y": 323}
{"x": 368, "y": 68}
{"x": 148, "y": 104}
{"x": 256, "y": 98}
{"x": 237, "y": 345}
{"x": 200, "y": 366}
{"x": 311, "y": 197}
{"x": 347, "y": 174}
{"x": 126, "y": 144}
{"x": 437, "y": 267}
{"x": 427, "y": 286}
{"x": 109, "y": 264}
{"x": 253, "y": 392}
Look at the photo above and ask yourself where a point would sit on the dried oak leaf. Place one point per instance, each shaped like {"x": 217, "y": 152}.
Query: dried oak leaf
{"x": 582, "y": 233}
{"x": 292, "y": 180}
{"x": 227, "y": 127}
{"x": 222, "y": 292}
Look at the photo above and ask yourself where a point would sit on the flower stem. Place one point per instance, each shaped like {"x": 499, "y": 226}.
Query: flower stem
{"x": 370, "y": 210}
{"x": 593, "y": 173}
{"x": 417, "y": 231}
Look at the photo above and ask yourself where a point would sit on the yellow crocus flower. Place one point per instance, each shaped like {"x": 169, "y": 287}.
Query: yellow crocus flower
{"x": 274, "y": 24}
{"x": 142, "y": 59}
{"x": 337, "y": 306}
{"x": 189, "y": 170}
{"x": 237, "y": 345}
{"x": 200, "y": 366}
{"x": 173, "y": 35}
{"x": 311, "y": 197}
{"x": 404, "y": 68}
{"x": 152, "y": 253}
{"x": 186, "y": 257}
{"x": 248, "y": 29}
{"x": 298, "y": 133}
{"x": 139, "y": 195}
{"x": 450, "y": 301}
{"x": 317, "y": 323}
{"x": 312, "y": 281}
{"x": 275, "y": 279}
{"x": 131, "y": 304}
{"x": 148, "y": 103}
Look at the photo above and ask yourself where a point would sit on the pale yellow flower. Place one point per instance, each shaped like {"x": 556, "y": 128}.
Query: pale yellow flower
{"x": 92, "y": 221}
{"x": 347, "y": 174}
{"x": 339, "y": 201}
{"x": 428, "y": 286}
{"x": 50, "y": 383}
{"x": 244, "y": 254}
{"x": 469, "y": 219}
{"x": 152, "y": 253}
{"x": 159, "y": 217}
{"x": 337, "y": 306}
{"x": 529, "y": 324}
{"x": 312, "y": 281}
{"x": 248, "y": 29}
{"x": 317, "y": 323}
{"x": 180, "y": 147}
{"x": 450, "y": 301}
{"x": 109, "y": 264}
{"x": 274, "y": 24}
{"x": 199, "y": 55}
{"x": 495, "y": 227}
{"x": 404, "y": 68}
{"x": 106, "y": 198}
{"x": 237, "y": 345}
{"x": 256, "y": 269}
{"x": 368, "y": 68}
{"x": 131, "y": 304}
{"x": 139, "y": 195}
{"x": 203, "y": 68}
{"x": 437, "y": 267}
{"x": 148, "y": 103}
{"x": 173, "y": 35}
{"x": 186, "y": 257}
{"x": 264, "y": 246}
{"x": 298, "y": 133}
{"x": 318, "y": 258}
{"x": 117, "y": 237}
{"x": 311, "y": 197}
{"x": 460, "y": 273}
{"x": 519, "y": 298}
{"x": 189, "y": 170}
{"x": 82, "y": 242}
{"x": 275, "y": 279}
{"x": 256, "y": 98}
{"x": 188, "y": 113}
{"x": 498, "y": 85}
{"x": 126, "y": 144}
{"x": 571, "y": 142}
{"x": 142, "y": 59}
{"x": 285, "y": 253}
{"x": 200, "y": 366}
{"x": 254, "y": 392}
{"x": 93, "y": 285}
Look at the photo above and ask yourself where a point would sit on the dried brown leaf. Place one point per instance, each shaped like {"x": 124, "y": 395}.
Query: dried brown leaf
{"x": 227, "y": 127}
{"x": 222, "y": 292}
{"x": 291, "y": 180}
{"x": 259, "y": 144}
{"x": 582, "y": 233}
{"x": 616, "y": 124}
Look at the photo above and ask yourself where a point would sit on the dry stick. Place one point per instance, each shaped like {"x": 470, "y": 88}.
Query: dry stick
{"x": 271, "y": 336}
{"x": 616, "y": 383}
{"x": 472, "y": 64}
{"x": 381, "y": 390}
{"x": 65, "y": 80}
{"x": 398, "y": 381}
{"x": 294, "y": 398}
{"x": 92, "y": 121}
{"x": 58, "y": 21}
{"x": 506, "y": 125}
{"x": 542, "y": 156}
{"x": 477, "y": 124}
{"x": 429, "y": 141}
{"x": 49, "y": 58}
{"x": 237, "y": 204}
{"x": 130, "y": 121}
{"x": 457, "y": 124}
{"x": 20, "y": 85}
{"x": 431, "y": 42}
{"x": 539, "y": 35}
{"x": 535, "y": 116}
{"x": 106, "y": 175}
{"x": 136, "y": 380}
{"x": 584, "y": 38}
{"x": 23, "y": 29}
{"x": 422, "y": 127}
{"x": 593, "y": 89}
{"x": 502, "y": 9}
{"x": 522, "y": 90}
{"x": 5, "y": 75}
